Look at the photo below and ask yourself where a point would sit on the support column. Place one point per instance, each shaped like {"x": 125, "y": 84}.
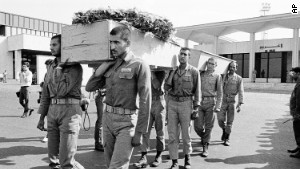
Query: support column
{"x": 295, "y": 53}
{"x": 252, "y": 55}
{"x": 186, "y": 43}
{"x": 18, "y": 62}
{"x": 216, "y": 41}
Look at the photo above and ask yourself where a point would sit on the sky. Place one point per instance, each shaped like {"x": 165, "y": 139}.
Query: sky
{"x": 179, "y": 12}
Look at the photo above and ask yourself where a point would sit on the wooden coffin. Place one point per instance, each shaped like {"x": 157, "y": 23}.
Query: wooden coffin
{"x": 89, "y": 44}
{"x": 198, "y": 59}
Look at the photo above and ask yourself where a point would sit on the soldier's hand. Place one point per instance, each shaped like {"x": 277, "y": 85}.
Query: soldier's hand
{"x": 103, "y": 67}
{"x": 40, "y": 125}
{"x": 137, "y": 139}
{"x": 216, "y": 110}
{"x": 194, "y": 115}
{"x": 238, "y": 107}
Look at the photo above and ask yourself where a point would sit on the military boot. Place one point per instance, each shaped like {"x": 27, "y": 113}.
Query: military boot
{"x": 157, "y": 161}
{"x": 174, "y": 164}
{"x": 187, "y": 161}
{"x": 142, "y": 163}
{"x": 223, "y": 135}
{"x": 205, "y": 150}
{"x": 226, "y": 141}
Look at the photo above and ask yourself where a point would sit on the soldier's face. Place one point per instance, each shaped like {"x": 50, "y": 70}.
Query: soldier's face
{"x": 232, "y": 68}
{"x": 183, "y": 56}
{"x": 118, "y": 46}
{"x": 295, "y": 75}
{"x": 211, "y": 65}
{"x": 55, "y": 47}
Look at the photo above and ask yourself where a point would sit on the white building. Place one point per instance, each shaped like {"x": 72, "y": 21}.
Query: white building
{"x": 26, "y": 39}
{"x": 272, "y": 59}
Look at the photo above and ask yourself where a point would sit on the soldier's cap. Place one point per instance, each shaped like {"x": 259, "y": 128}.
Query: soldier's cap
{"x": 296, "y": 69}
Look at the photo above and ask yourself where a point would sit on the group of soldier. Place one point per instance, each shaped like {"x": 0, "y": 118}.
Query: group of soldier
{"x": 135, "y": 99}
{"x": 177, "y": 97}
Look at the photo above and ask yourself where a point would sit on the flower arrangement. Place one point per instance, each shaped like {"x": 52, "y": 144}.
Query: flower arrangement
{"x": 162, "y": 28}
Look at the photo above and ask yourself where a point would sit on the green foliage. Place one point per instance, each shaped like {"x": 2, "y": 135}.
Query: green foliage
{"x": 160, "y": 27}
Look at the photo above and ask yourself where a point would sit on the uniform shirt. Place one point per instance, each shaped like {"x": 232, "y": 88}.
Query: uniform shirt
{"x": 233, "y": 85}
{"x": 211, "y": 86}
{"x": 156, "y": 83}
{"x": 123, "y": 82}
{"x": 67, "y": 84}
{"x": 185, "y": 84}
{"x": 295, "y": 101}
{"x": 25, "y": 78}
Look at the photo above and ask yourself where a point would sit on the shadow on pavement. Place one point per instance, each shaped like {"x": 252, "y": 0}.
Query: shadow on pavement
{"x": 274, "y": 143}
{"x": 27, "y": 139}
{"x": 19, "y": 151}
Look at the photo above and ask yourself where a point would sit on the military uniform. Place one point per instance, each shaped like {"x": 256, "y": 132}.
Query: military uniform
{"x": 122, "y": 117}
{"x": 233, "y": 85}
{"x": 184, "y": 93}
{"x": 60, "y": 102}
{"x": 295, "y": 111}
{"x": 212, "y": 93}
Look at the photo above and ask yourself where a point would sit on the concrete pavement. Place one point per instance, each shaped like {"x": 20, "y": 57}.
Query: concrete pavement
{"x": 259, "y": 139}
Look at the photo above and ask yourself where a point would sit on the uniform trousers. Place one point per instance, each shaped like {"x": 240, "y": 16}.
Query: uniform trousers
{"x": 226, "y": 114}
{"x": 63, "y": 125}
{"x": 118, "y": 131}
{"x": 157, "y": 116}
{"x": 204, "y": 124}
{"x": 296, "y": 127}
{"x": 179, "y": 113}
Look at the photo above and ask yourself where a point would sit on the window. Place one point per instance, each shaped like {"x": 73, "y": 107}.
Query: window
{"x": 13, "y": 31}
{"x": 2, "y": 18}
{"x": 15, "y": 21}
{"x": 36, "y": 24}
{"x": 21, "y": 21}
{"x": 26, "y": 23}
{"x": 46, "y": 26}
{"x": 41, "y": 25}
{"x": 2, "y": 30}
{"x": 8, "y": 30}
{"x": 31, "y": 24}
{"x": 50, "y": 26}
{"x": 7, "y": 19}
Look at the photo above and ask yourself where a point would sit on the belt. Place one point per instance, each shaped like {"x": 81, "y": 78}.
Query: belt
{"x": 119, "y": 110}
{"x": 229, "y": 95}
{"x": 208, "y": 98}
{"x": 180, "y": 98}
{"x": 65, "y": 101}
{"x": 157, "y": 97}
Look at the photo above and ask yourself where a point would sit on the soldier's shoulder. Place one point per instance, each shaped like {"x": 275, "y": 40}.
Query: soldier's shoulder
{"x": 193, "y": 69}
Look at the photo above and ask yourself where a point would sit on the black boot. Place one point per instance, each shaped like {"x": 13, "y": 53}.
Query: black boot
{"x": 142, "y": 163}
{"x": 295, "y": 155}
{"x": 294, "y": 150}
{"x": 205, "y": 150}
{"x": 99, "y": 146}
{"x": 24, "y": 114}
{"x": 223, "y": 135}
{"x": 157, "y": 161}
{"x": 174, "y": 164}
{"x": 187, "y": 161}
{"x": 226, "y": 141}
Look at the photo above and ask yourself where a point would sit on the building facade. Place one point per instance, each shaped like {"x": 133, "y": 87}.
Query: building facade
{"x": 271, "y": 59}
{"x": 27, "y": 39}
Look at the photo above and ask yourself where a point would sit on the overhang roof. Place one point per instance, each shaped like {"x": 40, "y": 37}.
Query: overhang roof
{"x": 205, "y": 33}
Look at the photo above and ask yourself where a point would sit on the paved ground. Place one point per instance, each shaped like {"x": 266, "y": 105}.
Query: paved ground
{"x": 259, "y": 139}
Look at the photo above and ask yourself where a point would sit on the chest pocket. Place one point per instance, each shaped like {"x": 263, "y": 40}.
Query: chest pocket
{"x": 187, "y": 82}
{"x": 126, "y": 75}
